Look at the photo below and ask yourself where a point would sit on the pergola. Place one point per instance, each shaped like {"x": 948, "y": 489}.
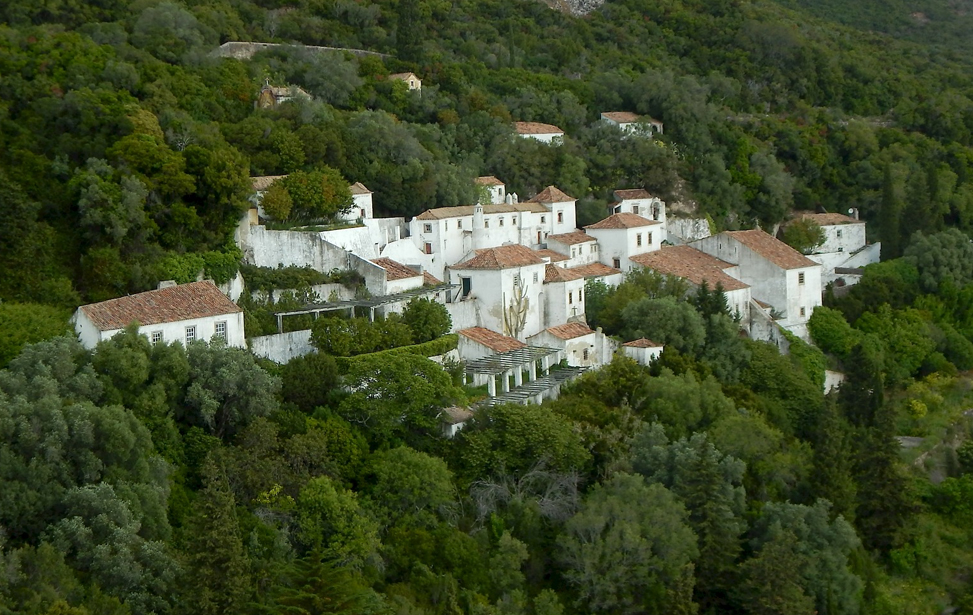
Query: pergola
{"x": 533, "y": 389}
{"x": 350, "y": 304}
{"x": 515, "y": 361}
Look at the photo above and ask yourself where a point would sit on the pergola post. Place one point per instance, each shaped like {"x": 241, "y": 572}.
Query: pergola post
{"x": 492, "y": 386}
{"x": 280, "y": 323}
{"x": 506, "y": 381}
{"x": 518, "y": 376}
{"x": 532, "y": 371}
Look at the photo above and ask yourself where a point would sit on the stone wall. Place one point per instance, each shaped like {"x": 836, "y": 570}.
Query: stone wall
{"x": 245, "y": 50}
{"x": 282, "y": 347}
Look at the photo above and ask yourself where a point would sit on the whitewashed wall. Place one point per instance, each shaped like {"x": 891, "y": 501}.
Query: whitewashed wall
{"x": 282, "y": 347}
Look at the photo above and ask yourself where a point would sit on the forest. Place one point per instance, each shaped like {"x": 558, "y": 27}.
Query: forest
{"x": 154, "y": 479}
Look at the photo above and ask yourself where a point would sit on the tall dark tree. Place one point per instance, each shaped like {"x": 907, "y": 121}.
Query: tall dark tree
{"x": 862, "y": 393}
{"x": 409, "y": 31}
{"x": 890, "y": 225}
{"x": 832, "y": 476}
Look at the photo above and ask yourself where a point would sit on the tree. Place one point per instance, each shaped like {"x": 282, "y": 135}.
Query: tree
{"x": 27, "y": 323}
{"x": 831, "y": 332}
{"x": 220, "y": 579}
{"x": 168, "y": 31}
{"x": 319, "y": 194}
{"x": 942, "y": 257}
{"x": 667, "y": 321}
{"x": 428, "y": 319}
{"x": 892, "y": 206}
{"x": 683, "y": 404}
{"x": 277, "y": 202}
{"x": 708, "y": 483}
{"x": 626, "y": 547}
{"x": 409, "y": 488}
{"x": 832, "y": 475}
{"x": 310, "y": 381}
{"x": 228, "y": 389}
{"x": 771, "y": 583}
{"x": 313, "y": 586}
{"x": 803, "y": 235}
{"x": 333, "y": 525}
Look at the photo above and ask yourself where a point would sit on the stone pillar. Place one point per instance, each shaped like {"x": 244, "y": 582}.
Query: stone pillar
{"x": 506, "y": 381}
{"x": 492, "y": 386}
{"x": 532, "y": 373}
{"x": 518, "y": 377}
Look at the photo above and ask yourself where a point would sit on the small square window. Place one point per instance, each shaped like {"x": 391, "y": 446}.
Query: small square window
{"x": 617, "y": 263}
{"x": 190, "y": 335}
{"x": 459, "y": 224}
{"x": 638, "y": 239}
{"x": 486, "y": 224}
{"x": 516, "y": 279}
{"x": 514, "y": 220}
{"x": 803, "y": 311}
{"x": 560, "y": 217}
{"x": 156, "y": 337}
{"x": 839, "y": 233}
{"x": 570, "y": 298}
{"x": 220, "y": 332}
{"x": 535, "y": 276}
{"x": 543, "y": 219}
{"x": 841, "y": 249}
{"x": 635, "y": 209}
{"x": 800, "y": 278}
{"x": 501, "y": 221}
{"x": 426, "y": 228}
{"x": 650, "y": 239}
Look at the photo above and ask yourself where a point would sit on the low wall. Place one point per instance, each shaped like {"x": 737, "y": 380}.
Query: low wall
{"x": 282, "y": 347}
{"x": 246, "y": 50}
{"x": 266, "y": 248}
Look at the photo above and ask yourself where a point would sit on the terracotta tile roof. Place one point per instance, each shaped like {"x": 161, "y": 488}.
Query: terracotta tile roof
{"x": 395, "y": 270}
{"x": 359, "y": 188}
{"x": 491, "y": 339}
{"x": 502, "y": 257}
{"x": 487, "y": 180}
{"x": 172, "y": 304}
{"x": 536, "y": 128}
{"x": 556, "y": 257}
{"x": 262, "y": 183}
{"x": 777, "y": 252}
{"x": 551, "y": 195}
{"x": 642, "y": 343}
{"x": 829, "y": 219}
{"x": 636, "y": 193}
{"x": 402, "y": 76}
{"x": 430, "y": 280}
{"x": 572, "y": 238}
{"x": 455, "y": 415}
{"x": 553, "y": 273}
{"x": 570, "y": 330}
{"x": 622, "y": 220}
{"x": 440, "y": 213}
{"x": 622, "y": 117}
{"x": 595, "y": 270}
{"x": 691, "y": 264}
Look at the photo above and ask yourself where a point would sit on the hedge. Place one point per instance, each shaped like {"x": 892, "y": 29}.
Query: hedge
{"x": 434, "y": 348}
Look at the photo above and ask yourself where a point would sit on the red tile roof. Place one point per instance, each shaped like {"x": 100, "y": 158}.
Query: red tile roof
{"x": 395, "y": 270}
{"x": 828, "y": 219}
{"x": 622, "y": 117}
{"x": 487, "y": 180}
{"x": 551, "y": 195}
{"x": 572, "y": 238}
{"x": 635, "y": 193}
{"x": 514, "y": 255}
{"x": 172, "y": 304}
{"x": 430, "y": 280}
{"x": 536, "y": 128}
{"x": 441, "y": 213}
{"x": 595, "y": 270}
{"x": 264, "y": 182}
{"x": 491, "y": 339}
{"x": 359, "y": 188}
{"x": 642, "y": 343}
{"x": 553, "y": 273}
{"x": 777, "y": 252}
{"x": 622, "y": 220}
{"x": 570, "y": 330}
{"x": 691, "y": 264}
{"x": 556, "y": 257}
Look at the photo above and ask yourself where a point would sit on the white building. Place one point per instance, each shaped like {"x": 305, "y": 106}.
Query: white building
{"x": 581, "y": 346}
{"x": 643, "y": 350}
{"x": 641, "y": 203}
{"x": 361, "y": 206}
{"x": 506, "y": 283}
{"x": 578, "y": 246}
{"x": 777, "y": 274}
{"x": 546, "y": 133}
{"x": 563, "y": 295}
{"x": 697, "y": 268}
{"x": 183, "y": 313}
{"x": 632, "y": 123}
{"x": 411, "y": 81}
{"x": 497, "y": 189}
{"x": 844, "y": 249}
{"x": 622, "y": 236}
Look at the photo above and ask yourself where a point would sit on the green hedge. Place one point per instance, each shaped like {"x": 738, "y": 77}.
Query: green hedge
{"x": 221, "y": 267}
{"x": 434, "y": 348}
{"x": 267, "y": 279}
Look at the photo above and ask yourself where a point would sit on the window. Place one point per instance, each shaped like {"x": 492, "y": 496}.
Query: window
{"x": 190, "y": 335}
{"x": 635, "y": 209}
{"x": 570, "y": 298}
{"x": 638, "y": 239}
{"x": 650, "y": 239}
{"x": 516, "y": 279}
{"x": 803, "y": 311}
{"x": 220, "y": 332}
{"x": 800, "y": 278}
{"x": 617, "y": 263}
{"x": 156, "y": 337}
{"x": 514, "y": 221}
{"x": 426, "y": 228}
{"x": 501, "y": 221}
{"x": 560, "y": 217}
{"x": 363, "y": 212}
{"x": 486, "y": 224}
{"x": 841, "y": 249}
{"x": 535, "y": 277}
{"x": 655, "y": 213}
{"x": 584, "y": 354}
{"x": 839, "y": 233}
{"x": 428, "y": 248}
{"x": 543, "y": 219}
{"x": 594, "y": 247}
{"x": 459, "y": 224}
{"x": 573, "y": 253}
{"x": 580, "y": 295}
{"x": 467, "y": 284}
